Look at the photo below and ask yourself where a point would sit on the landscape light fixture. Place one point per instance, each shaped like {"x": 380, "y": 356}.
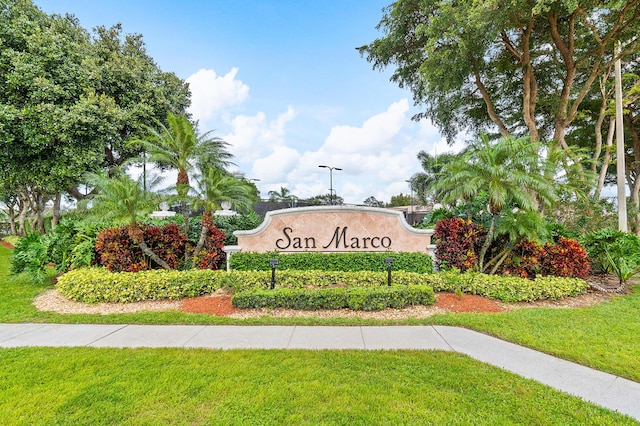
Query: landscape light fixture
{"x": 389, "y": 262}
{"x": 273, "y": 263}
{"x": 331, "y": 169}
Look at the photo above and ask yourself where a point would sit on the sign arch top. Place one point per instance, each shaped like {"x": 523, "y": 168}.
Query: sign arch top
{"x": 335, "y": 229}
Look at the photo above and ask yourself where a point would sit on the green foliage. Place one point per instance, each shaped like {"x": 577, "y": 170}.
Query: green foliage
{"x": 507, "y": 288}
{"x": 99, "y": 285}
{"x": 30, "y": 257}
{"x": 579, "y": 217}
{"x": 354, "y": 261}
{"x": 71, "y": 244}
{"x": 614, "y": 251}
{"x": 400, "y": 200}
{"x": 228, "y": 224}
{"x": 93, "y": 285}
{"x": 12, "y": 239}
{"x": 366, "y": 299}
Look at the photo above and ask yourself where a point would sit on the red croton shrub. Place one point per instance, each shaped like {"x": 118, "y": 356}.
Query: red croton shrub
{"x": 211, "y": 256}
{"x": 457, "y": 243}
{"x": 116, "y": 252}
{"x": 566, "y": 258}
{"x": 525, "y": 260}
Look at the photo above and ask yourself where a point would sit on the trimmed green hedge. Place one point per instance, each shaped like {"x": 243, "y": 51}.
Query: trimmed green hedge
{"x": 94, "y": 285}
{"x": 420, "y": 263}
{"x": 357, "y": 298}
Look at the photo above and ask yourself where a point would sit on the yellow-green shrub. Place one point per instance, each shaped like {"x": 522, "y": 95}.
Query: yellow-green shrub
{"x": 99, "y": 285}
{"x": 93, "y": 285}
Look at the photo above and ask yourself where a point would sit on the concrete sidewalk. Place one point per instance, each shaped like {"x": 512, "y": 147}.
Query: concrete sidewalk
{"x": 591, "y": 385}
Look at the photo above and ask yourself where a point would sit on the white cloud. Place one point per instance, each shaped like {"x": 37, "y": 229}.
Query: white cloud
{"x": 253, "y": 136}
{"x": 276, "y": 165}
{"x": 375, "y": 133}
{"x": 211, "y": 93}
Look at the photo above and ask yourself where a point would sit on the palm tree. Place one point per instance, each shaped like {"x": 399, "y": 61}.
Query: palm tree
{"x": 283, "y": 195}
{"x": 177, "y": 145}
{"x": 423, "y": 183}
{"x": 216, "y": 186}
{"x": 509, "y": 171}
{"x": 122, "y": 198}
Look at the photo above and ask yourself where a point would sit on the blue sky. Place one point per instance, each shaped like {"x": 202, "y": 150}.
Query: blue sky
{"x": 282, "y": 82}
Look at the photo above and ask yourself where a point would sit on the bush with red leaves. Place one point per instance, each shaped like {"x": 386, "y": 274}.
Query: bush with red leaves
{"x": 116, "y": 252}
{"x": 524, "y": 261}
{"x": 566, "y": 258}
{"x": 211, "y": 256}
{"x": 457, "y": 243}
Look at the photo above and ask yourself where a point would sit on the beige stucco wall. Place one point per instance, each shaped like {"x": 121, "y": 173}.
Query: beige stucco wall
{"x": 322, "y": 228}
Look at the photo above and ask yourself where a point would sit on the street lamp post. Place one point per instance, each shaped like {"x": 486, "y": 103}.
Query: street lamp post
{"x": 410, "y": 182}
{"x": 331, "y": 169}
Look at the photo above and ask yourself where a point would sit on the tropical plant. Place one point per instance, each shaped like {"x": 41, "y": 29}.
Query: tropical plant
{"x": 122, "y": 199}
{"x": 509, "y": 172}
{"x": 178, "y": 145}
{"x": 215, "y": 186}
{"x": 283, "y": 195}
{"x": 30, "y": 257}
{"x": 613, "y": 251}
{"x": 423, "y": 183}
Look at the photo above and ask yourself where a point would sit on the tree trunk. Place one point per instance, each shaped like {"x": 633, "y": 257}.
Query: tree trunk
{"x": 137, "y": 236}
{"x": 12, "y": 220}
{"x": 39, "y": 202}
{"x": 606, "y": 160}
{"x": 487, "y": 241}
{"x": 204, "y": 231}
{"x": 22, "y": 217}
{"x": 207, "y": 219}
{"x": 153, "y": 256}
{"x": 55, "y": 220}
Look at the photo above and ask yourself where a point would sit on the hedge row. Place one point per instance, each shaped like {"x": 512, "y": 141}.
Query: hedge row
{"x": 420, "y": 263}
{"x": 357, "y": 298}
{"x": 94, "y": 285}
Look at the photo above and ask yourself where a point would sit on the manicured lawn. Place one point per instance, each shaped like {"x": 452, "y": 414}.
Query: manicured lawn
{"x": 171, "y": 386}
{"x": 604, "y": 337}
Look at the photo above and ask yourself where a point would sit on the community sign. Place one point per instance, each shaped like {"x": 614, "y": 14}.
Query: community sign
{"x": 335, "y": 229}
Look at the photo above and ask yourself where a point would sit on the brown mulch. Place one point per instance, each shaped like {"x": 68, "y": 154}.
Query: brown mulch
{"x": 6, "y": 244}
{"x": 220, "y": 302}
{"x": 220, "y": 305}
{"x": 213, "y": 305}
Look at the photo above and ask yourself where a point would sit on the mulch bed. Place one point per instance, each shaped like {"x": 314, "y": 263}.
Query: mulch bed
{"x": 220, "y": 305}
{"x": 6, "y": 244}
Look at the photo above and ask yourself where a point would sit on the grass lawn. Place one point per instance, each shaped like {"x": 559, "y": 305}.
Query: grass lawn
{"x": 139, "y": 386}
{"x": 171, "y": 386}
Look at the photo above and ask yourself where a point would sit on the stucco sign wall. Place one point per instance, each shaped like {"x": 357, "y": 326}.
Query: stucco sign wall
{"x": 335, "y": 229}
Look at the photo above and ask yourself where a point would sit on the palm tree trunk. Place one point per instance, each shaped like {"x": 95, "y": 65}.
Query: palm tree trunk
{"x": 136, "y": 235}
{"x": 487, "y": 241}
{"x": 204, "y": 231}
{"x": 153, "y": 256}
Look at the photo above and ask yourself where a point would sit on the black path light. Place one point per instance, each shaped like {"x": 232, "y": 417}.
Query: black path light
{"x": 273, "y": 263}
{"x": 389, "y": 262}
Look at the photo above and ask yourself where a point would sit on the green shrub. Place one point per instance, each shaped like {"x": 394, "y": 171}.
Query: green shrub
{"x": 99, "y": 285}
{"x": 12, "y": 239}
{"x": 613, "y": 251}
{"x": 507, "y": 288}
{"x": 30, "y": 257}
{"x": 356, "y": 298}
{"x": 228, "y": 224}
{"x": 347, "y": 262}
{"x": 93, "y": 285}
